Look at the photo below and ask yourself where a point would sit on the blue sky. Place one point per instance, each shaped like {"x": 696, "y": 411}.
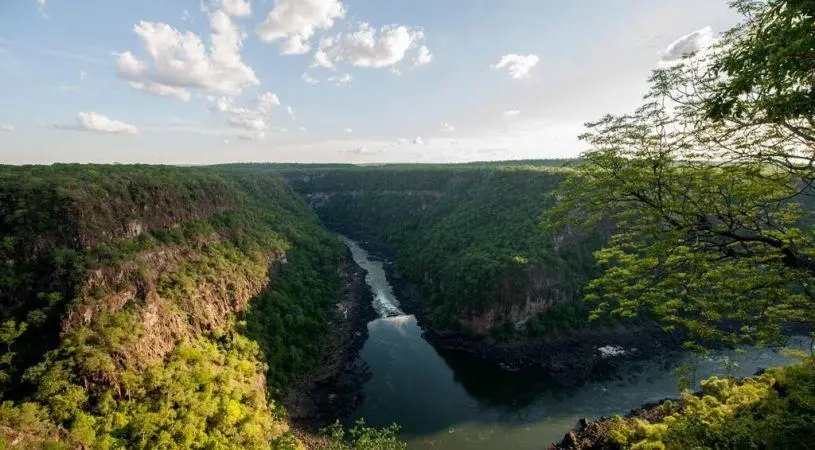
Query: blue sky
{"x": 426, "y": 83}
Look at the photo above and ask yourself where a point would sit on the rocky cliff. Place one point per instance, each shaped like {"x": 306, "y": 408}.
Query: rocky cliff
{"x": 472, "y": 260}
{"x": 155, "y": 306}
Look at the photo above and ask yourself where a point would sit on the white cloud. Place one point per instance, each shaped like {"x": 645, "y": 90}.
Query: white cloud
{"x": 518, "y": 66}
{"x": 321, "y": 58}
{"x": 297, "y": 20}
{"x": 237, "y": 8}
{"x": 446, "y": 127}
{"x": 308, "y": 79}
{"x": 423, "y": 57}
{"x": 295, "y": 46}
{"x": 127, "y": 65}
{"x": 6, "y": 128}
{"x": 347, "y": 130}
{"x": 259, "y": 136}
{"x": 91, "y": 121}
{"x": 418, "y": 140}
{"x": 162, "y": 90}
{"x": 182, "y": 60}
{"x": 511, "y": 112}
{"x": 267, "y": 101}
{"x": 303, "y": 129}
{"x": 689, "y": 45}
{"x": 290, "y": 112}
{"x": 222, "y": 104}
{"x": 367, "y": 47}
{"x": 41, "y": 8}
{"x": 340, "y": 81}
{"x": 185, "y": 16}
{"x": 247, "y": 119}
{"x": 82, "y": 75}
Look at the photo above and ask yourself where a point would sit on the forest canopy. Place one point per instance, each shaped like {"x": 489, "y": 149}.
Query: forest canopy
{"x": 711, "y": 184}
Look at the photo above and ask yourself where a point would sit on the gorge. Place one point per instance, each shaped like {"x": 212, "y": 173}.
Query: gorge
{"x": 445, "y": 399}
{"x": 148, "y": 306}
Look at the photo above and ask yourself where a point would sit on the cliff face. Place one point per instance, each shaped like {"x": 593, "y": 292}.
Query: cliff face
{"x": 471, "y": 239}
{"x": 474, "y": 264}
{"x": 143, "y": 306}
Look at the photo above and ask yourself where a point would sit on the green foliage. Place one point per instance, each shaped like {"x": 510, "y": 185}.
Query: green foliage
{"x": 714, "y": 235}
{"x": 468, "y": 235}
{"x": 361, "y": 437}
{"x": 288, "y": 319}
{"x": 768, "y": 76}
{"x": 773, "y": 410}
{"x": 183, "y": 248}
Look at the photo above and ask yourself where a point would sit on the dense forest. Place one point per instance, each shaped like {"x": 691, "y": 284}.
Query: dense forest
{"x": 148, "y": 307}
{"x": 164, "y": 307}
{"x": 469, "y": 235}
{"x": 710, "y": 181}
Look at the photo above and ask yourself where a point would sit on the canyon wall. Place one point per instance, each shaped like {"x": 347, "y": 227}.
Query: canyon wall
{"x": 149, "y": 306}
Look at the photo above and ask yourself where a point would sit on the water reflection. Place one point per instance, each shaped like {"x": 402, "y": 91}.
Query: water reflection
{"x": 452, "y": 401}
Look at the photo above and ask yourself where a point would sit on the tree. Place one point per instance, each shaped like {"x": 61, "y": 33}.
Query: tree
{"x": 710, "y": 184}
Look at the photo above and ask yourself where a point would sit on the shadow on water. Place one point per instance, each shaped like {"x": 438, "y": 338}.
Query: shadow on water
{"x": 499, "y": 389}
{"x": 451, "y": 400}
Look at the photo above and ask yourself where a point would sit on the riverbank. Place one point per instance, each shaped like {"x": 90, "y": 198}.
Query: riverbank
{"x": 570, "y": 358}
{"x": 771, "y": 409}
{"x": 595, "y": 434}
{"x": 334, "y": 389}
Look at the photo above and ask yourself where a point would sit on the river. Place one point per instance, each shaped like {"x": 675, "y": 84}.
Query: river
{"x": 452, "y": 401}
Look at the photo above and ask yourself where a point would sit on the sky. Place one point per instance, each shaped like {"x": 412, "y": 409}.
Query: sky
{"x": 360, "y": 81}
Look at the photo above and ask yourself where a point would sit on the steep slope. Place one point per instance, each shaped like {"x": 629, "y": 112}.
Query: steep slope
{"x": 470, "y": 237}
{"x": 152, "y": 306}
{"x": 470, "y": 251}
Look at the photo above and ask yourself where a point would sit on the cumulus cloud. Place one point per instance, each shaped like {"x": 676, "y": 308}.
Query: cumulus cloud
{"x": 340, "y": 81}
{"x": 82, "y": 75}
{"x": 308, "y": 79}
{"x": 418, "y": 140}
{"x": 221, "y": 104}
{"x": 290, "y": 112}
{"x": 321, "y": 58}
{"x": 237, "y": 8}
{"x": 247, "y": 119}
{"x": 423, "y": 57}
{"x": 518, "y": 66}
{"x": 347, "y": 130}
{"x": 162, "y": 90}
{"x": 267, "y": 101}
{"x": 368, "y": 47}
{"x": 511, "y": 112}
{"x": 91, "y": 121}
{"x": 303, "y": 129}
{"x": 182, "y": 60}
{"x": 297, "y": 20}
{"x": 689, "y": 45}
{"x": 295, "y": 46}
{"x": 446, "y": 127}
{"x": 6, "y": 128}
